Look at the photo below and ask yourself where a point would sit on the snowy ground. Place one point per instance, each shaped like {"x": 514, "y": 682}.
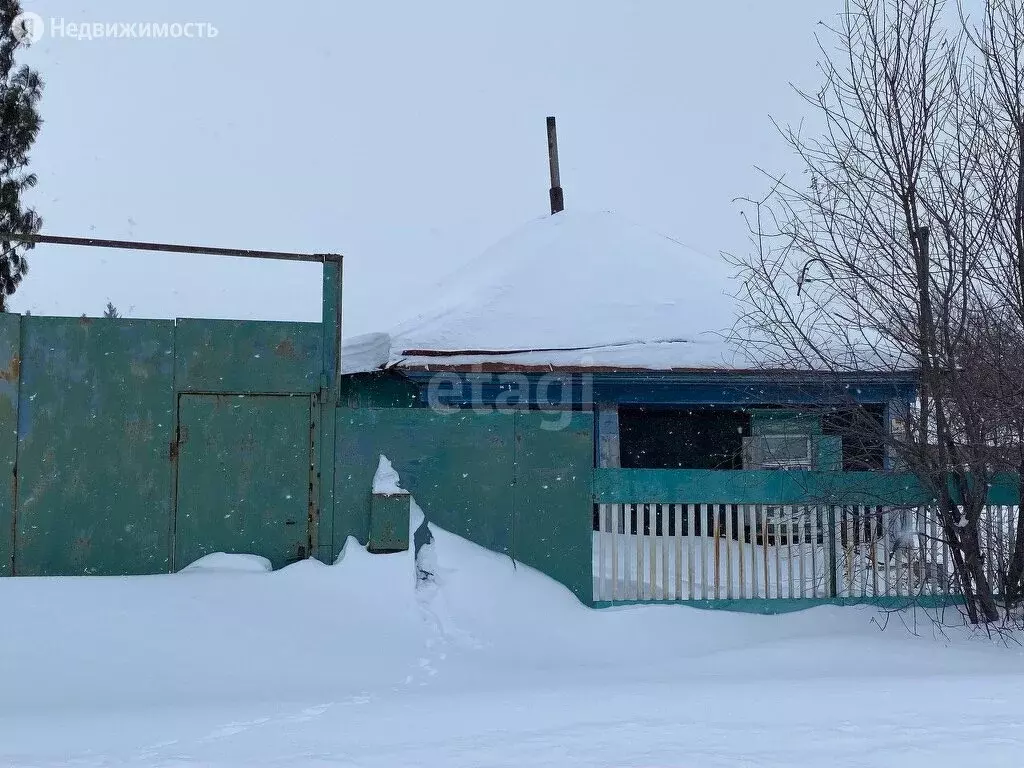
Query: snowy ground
{"x": 359, "y": 664}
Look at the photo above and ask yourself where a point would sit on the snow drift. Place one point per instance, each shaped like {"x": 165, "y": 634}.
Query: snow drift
{"x": 458, "y": 656}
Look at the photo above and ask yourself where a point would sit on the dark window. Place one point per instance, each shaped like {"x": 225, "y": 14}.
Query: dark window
{"x": 675, "y": 438}
{"x": 863, "y": 432}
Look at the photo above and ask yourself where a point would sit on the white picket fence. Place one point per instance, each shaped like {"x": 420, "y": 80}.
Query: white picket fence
{"x": 644, "y": 552}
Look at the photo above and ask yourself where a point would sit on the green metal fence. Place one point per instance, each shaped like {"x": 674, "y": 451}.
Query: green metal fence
{"x": 102, "y": 476}
{"x": 94, "y": 425}
{"x": 10, "y": 378}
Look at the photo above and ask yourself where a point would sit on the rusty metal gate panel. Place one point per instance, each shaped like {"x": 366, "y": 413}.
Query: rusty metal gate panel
{"x": 95, "y": 420}
{"x": 244, "y": 477}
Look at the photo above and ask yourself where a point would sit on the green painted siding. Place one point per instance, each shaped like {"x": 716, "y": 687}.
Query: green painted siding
{"x": 553, "y": 518}
{"x": 458, "y": 466}
{"x": 829, "y": 453}
{"x": 243, "y": 477}
{"x": 379, "y": 390}
{"x": 499, "y": 479}
{"x": 10, "y": 376}
{"x": 247, "y": 356}
{"x": 95, "y": 425}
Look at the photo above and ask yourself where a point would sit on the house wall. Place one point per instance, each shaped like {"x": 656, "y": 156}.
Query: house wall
{"x": 496, "y": 478}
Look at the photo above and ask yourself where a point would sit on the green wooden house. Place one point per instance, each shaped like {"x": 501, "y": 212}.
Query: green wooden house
{"x": 586, "y": 345}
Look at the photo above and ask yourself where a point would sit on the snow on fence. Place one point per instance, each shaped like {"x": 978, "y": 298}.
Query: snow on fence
{"x": 695, "y": 551}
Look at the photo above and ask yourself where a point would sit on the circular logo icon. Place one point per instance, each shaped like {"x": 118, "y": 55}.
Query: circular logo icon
{"x": 28, "y": 27}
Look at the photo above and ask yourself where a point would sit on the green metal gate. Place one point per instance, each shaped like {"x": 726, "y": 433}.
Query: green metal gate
{"x": 245, "y": 477}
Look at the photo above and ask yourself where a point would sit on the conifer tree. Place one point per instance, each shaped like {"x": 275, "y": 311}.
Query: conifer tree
{"x": 20, "y": 92}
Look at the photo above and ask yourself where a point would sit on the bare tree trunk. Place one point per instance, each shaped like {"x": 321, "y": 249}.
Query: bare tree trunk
{"x": 1015, "y": 565}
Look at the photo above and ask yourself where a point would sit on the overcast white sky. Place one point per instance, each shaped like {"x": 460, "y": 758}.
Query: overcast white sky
{"x": 407, "y": 135}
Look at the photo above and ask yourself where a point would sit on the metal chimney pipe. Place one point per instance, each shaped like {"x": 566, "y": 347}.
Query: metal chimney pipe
{"x": 557, "y": 198}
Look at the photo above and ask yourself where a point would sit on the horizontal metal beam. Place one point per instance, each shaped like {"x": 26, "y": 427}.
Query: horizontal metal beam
{"x": 134, "y": 245}
{"x": 776, "y": 486}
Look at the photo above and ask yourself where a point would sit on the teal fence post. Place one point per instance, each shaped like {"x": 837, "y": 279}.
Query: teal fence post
{"x": 331, "y": 325}
{"x": 322, "y": 528}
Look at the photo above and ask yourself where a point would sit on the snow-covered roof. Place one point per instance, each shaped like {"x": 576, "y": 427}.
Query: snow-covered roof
{"x": 569, "y": 290}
